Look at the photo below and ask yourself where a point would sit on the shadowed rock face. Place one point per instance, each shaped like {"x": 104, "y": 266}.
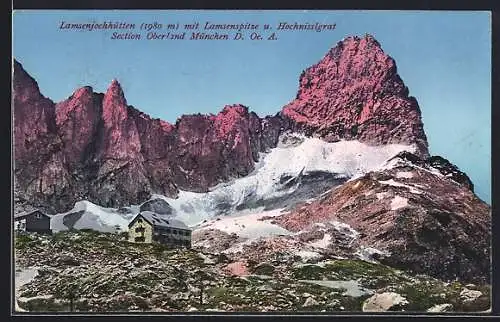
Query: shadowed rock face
{"x": 70, "y": 219}
{"x": 438, "y": 164}
{"x": 429, "y": 222}
{"x": 158, "y": 206}
{"x": 39, "y": 163}
{"x": 94, "y": 146}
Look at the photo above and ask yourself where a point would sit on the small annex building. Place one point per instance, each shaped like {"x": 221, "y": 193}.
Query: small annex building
{"x": 32, "y": 221}
{"x": 148, "y": 227}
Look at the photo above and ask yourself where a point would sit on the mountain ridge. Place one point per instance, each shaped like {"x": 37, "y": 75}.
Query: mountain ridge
{"x": 96, "y": 144}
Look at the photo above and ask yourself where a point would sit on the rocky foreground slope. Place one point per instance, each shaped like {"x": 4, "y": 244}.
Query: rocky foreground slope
{"x": 422, "y": 213}
{"x": 93, "y": 272}
{"x": 95, "y": 146}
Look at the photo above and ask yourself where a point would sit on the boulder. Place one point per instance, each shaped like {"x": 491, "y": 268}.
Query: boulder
{"x": 263, "y": 269}
{"x": 41, "y": 303}
{"x": 237, "y": 268}
{"x": 67, "y": 260}
{"x": 310, "y": 302}
{"x": 469, "y": 296}
{"x": 387, "y": 301}
{"x": 158, "y": 206}
{"x": 441, "y": 308}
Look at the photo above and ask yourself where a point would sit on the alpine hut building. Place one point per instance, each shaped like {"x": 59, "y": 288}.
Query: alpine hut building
{"x": 34, "y": 221}
{"x": 148, "y": 227}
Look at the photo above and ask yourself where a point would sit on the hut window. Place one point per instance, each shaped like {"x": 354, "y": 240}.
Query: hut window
{"x": 38, "y": 215}
{"x": 139, "y": 229}
{"x": 174, "y": 232}
{"x": 140, "y": 239}
{"x": 139, "y": 220}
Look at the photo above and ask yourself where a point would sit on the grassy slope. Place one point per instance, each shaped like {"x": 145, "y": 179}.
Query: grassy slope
{"x": 104, "y": 272}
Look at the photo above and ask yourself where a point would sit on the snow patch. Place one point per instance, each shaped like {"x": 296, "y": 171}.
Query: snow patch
{"x": 93, "y": 217}
{"x": 394, "y": 163}
{"x": 352, "y": 287}
{"x": 184, "y": 170}
{"x": 366, "y": 253}
{"x": 323, "y": 243}
{"x": 382, "y": 195}
{"x": 22, "y": 277}
{"x": 393, "y": 183}
{"x": 345, "y": 229}
{"x": 398, "y": 202}
{"x": 434, "y": 171}
{"x": 308, "y": 255}
{"x": 404, "y": 174}
{"x": 347, "y": 159}
{"x": 319, "y": 264}
{"x": 248, "y": 226}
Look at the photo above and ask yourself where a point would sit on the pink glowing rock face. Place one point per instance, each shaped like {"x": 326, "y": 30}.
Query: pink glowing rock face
{"x": 215, "y": 148}
{"x": 33, "y": 115}
{"x": 226, "y": 120}
{"x": 121, "y": 138}
{"x": 354, "y": 92}
{"x": 76, "y": 120}
{"x": 166, "y": 127}
{"x": 114, "y": 105}
{"x": 94, "y": 146}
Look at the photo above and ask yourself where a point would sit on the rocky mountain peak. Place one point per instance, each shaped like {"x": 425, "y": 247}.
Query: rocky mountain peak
{"x": 114, "y": 94}
{"x": 24, "y": 86}
{"x": 235, "y": 108}
{"x": 34, "y": 121}
{"x": 114, "y": 106}
{"x": 354, "y": 92}
{"x": 353, "y": 43}
{"x": 229, "y": 118}
{"x": 85, "y": 91}
{"x": 115, "y": 84}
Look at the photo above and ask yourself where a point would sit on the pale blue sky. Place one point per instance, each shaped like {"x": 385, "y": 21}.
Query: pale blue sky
{"x": 443, "y": 57}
